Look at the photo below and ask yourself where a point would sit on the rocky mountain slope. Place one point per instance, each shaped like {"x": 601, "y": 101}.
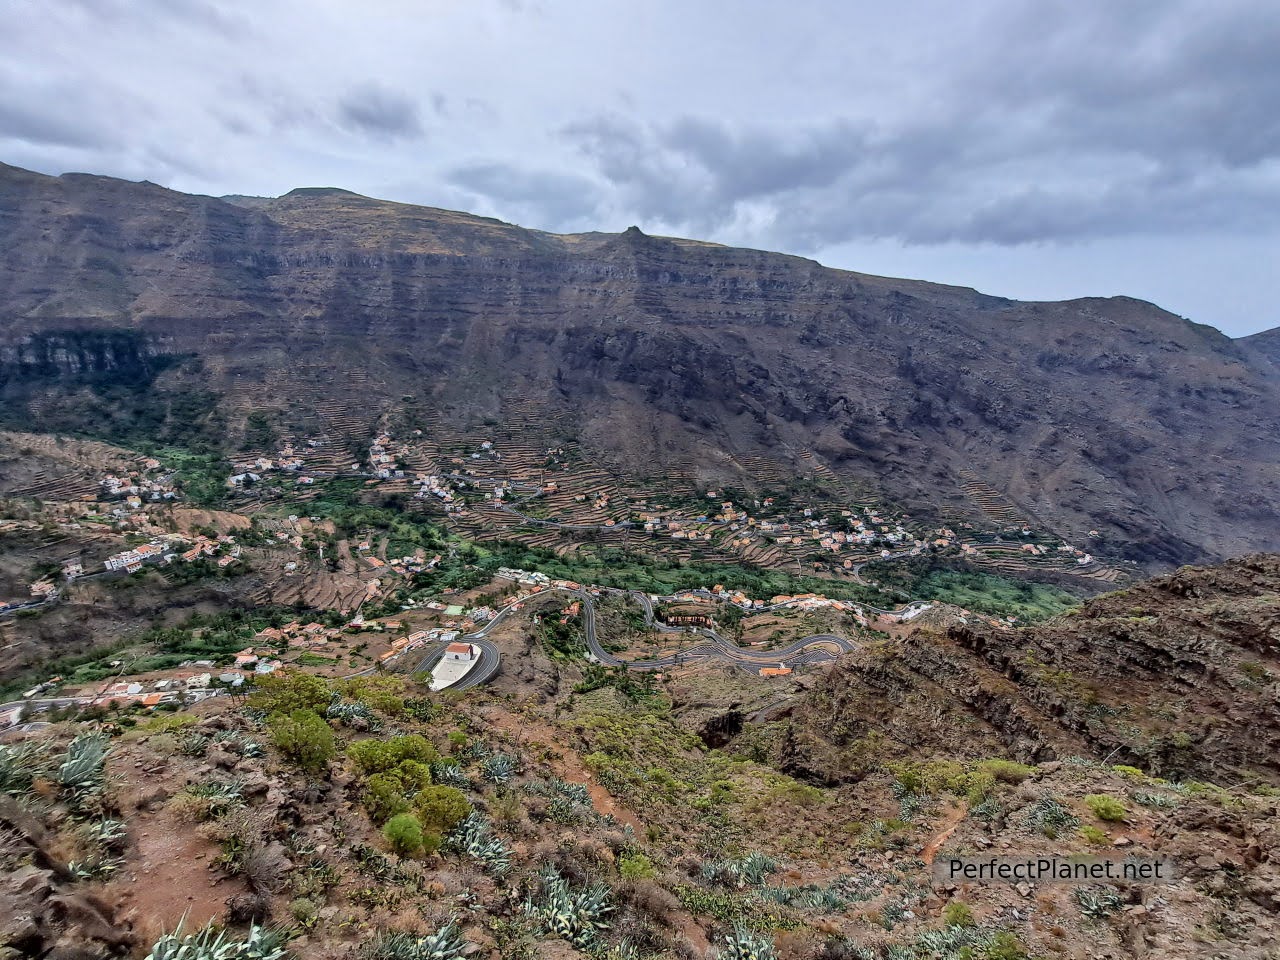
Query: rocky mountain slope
{"x": 1178, "y": 676}
{"x": 550, "y": 817}
{"x": 665, "y": 357}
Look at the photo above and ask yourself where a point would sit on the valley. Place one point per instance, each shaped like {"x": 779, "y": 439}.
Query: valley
{"x": 392, "y": 583}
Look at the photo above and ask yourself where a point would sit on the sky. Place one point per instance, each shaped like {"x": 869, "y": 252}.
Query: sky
{"x": 1037, "y": 149}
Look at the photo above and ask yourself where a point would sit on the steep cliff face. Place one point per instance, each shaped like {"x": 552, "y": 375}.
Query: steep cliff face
{"x": 668, "y": 357}
{"x": 1179, "y": 675}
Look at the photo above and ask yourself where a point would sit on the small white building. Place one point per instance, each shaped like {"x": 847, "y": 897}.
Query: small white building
{"x": 464, "y": 652}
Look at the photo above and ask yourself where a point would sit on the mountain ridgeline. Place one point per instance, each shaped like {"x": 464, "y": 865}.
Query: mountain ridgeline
{"x": 662, "y": 357}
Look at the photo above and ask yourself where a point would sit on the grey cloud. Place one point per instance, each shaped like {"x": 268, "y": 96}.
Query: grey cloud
{"x": 20, "y": 121}
{"x": 197, "y": 14}
{"x": 552, "y": 200}
{"x": 379, "y": 112}
{"x": 1133, "y": 120}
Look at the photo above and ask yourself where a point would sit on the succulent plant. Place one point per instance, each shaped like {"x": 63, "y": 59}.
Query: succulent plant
{"x": 19, "y": 766}
{"x": 576, "y": 916}
{"x": 210, "y": 943}
{"x": 1050, "y": 817}
{"x": 474, "y": 838}
{"x": 222, "y": 795}
{"x": 499, "y": 768}
{"x": 1098, "y": 902}
{"x": 742, "y": 944}
{"x": 445, "y": 944}
{"x": 81, "y": 771}
{"x": 353, "y": 714}
{"x": 193, "y": 743}
{"x": 751, "y": 870}
{"x": 449, "y": 774}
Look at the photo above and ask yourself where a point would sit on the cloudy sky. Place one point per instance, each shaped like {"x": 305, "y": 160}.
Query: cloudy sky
{"x": 1031, "y": 148}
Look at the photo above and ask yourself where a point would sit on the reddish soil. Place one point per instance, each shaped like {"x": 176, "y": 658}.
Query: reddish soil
{"x": 166, "y": 878}
{"x": 946, "y": 827}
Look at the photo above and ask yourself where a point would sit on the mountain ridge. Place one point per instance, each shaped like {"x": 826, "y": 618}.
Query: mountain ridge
{"x": 666, "y": 355}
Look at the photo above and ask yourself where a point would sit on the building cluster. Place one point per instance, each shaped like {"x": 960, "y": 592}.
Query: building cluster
{"x": 133, "y": 560}
{"x": 432, "y": 485}
{"x": 247, "y": 472}
{"x": 135, "y": 486}
{"x": 419, "y": 639}
{"x": 384, "y": 461}
{"x": 306, "y": 636}
{"x": 165, "y": 550}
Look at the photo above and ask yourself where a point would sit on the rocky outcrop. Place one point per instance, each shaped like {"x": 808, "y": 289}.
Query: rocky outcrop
{"x": 1179, "y": 675}
{"x": 43, "y": 914}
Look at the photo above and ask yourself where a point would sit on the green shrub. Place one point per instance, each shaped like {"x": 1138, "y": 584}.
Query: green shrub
{"x": 440, "y": 809}
{"x": 378, "y": 756}
{"x": 1092, "y": 835}
{"x": 957, "y": 914}
{"x": 1006, "y": 771}
{"x": 414, "y": 774}
{"x": 636, "y": 866}
{"x": 1105, "y": 807}
{"x": 384, "y": 797}
{"x": 1133, "y": 773}
{"x": 288, "y": 690}
{"x": 1004, "y": 946}
{"x": 304, "y": 737}
{"x": 404, "y": 834}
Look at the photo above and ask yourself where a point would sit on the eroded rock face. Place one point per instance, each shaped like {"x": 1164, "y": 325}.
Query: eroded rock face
{"x": 1178, "y": 675}
{"x": 42, "y": 913}
{"x": 663, "y": 356}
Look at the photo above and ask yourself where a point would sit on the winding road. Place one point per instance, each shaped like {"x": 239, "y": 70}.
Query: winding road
{"x": 812, "y": 649}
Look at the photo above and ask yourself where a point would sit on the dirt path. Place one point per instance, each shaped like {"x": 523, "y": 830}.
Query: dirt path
{"x": 166, "y": 879}
{"x": 951, "y": 820}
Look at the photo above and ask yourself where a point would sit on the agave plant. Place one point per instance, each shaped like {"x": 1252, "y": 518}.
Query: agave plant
{"x": 449, "y": 774}
{"x": 742, "y": 944}
{"x": 1098, "y": 902}
{"x": 1158, "y": 801}
{"x": 1050, "y": 817}
{"x": 245, "y": 746}
{"x": 810, "y": 896}
{"x": 619, "y": 951}
{"x": 353, "y": 714}
{"x": 575, "y": 916}
{"x": 19, "y": 766}
{"x": 499, "y": 768}
{"x": 554, "y": 786}
{"x": 105, "y": 833}
{"x": 949, "y": 941}
{"x": 222, "y": 795}
{"x": 94, "y": 868}
{"x": 751, "y": 870}
{"x": 210, "y": 943}
{"x": 445, "y": 944}
{"x": 193, "y": 743}
{"x": 474, "y": 838}
{"x": 81, "y": 772}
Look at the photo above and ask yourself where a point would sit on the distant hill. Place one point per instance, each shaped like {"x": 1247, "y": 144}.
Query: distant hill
{"x": 125, "y": 303}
